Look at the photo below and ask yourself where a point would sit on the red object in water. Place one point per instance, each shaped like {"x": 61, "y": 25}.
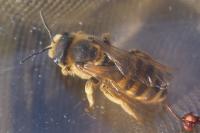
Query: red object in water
{"x": 189, "y": 121}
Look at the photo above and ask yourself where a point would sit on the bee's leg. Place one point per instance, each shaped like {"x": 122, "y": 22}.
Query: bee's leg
{"x": 116, "y": 99}
{"x": 90, "y": 86}
{"x": 65, "y": 70}
{"x": 106, "y": 37}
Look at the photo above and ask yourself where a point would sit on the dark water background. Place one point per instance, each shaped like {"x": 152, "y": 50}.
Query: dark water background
{"x": 36, "y": 98}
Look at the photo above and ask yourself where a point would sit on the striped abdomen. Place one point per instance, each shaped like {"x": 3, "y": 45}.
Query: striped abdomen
{"x": 149, "y": 86}
{"x": 142, "y": 92}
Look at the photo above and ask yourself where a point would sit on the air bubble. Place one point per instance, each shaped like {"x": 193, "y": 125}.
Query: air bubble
{"x": 80, "y": 23}
{"x": 34, "y": 28}
{"x": 40, "y": 76}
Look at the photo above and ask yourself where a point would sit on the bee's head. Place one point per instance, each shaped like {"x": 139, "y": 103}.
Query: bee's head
{"x": 76, "y": 46}
{"x": 59, "y": 47}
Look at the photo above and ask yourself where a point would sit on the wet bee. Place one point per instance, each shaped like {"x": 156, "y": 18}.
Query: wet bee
{"x": 122, "y": 76}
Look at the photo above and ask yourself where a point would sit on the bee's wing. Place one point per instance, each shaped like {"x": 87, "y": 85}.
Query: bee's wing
{"x": 138, "y": 66}
{"x": 121, "y": 58}
{"x": 154, "y": 73}
{"x": 148, "y": 59}
{"x": 103, "y": 72}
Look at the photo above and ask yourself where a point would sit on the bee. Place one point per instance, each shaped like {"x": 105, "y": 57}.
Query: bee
{"x": 122, "y": 76}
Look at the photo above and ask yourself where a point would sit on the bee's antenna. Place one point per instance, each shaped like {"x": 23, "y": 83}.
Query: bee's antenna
{"x": 35, "y": 53}
{"x": 44, "y": 49}
{"x": 46, "y": 27}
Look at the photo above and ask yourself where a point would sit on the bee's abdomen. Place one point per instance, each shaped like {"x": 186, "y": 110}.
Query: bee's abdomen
{"x": 142, "y": 92}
